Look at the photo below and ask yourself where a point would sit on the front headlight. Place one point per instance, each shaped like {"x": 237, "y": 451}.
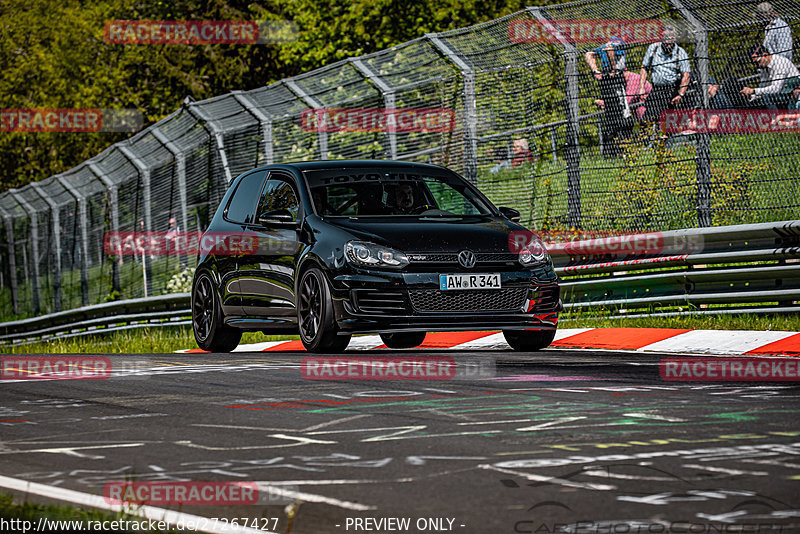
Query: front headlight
{"x": 363, "y": 254}
{"x": 533, "y": 253}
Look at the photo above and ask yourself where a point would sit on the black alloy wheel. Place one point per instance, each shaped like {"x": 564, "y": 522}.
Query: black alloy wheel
{"x": 318, "y": 330}
{"x": 210, "y": 332}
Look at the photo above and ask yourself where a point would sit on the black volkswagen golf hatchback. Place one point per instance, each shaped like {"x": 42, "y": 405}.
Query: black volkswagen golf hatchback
{"x": 333, "y": 248}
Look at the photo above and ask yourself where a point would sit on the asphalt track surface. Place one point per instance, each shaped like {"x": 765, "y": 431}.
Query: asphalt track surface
{"x": 561, "y": 441}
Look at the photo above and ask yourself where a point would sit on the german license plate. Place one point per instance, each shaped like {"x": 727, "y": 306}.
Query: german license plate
{"x": 469, "y": 281}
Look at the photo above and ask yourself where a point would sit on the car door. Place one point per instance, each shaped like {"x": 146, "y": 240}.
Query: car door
{"x": 267, "y": 277}
{"x": 238, "y": 216}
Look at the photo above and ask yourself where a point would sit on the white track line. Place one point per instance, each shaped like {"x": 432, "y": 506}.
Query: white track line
{"x": 312, "y": 497}
{"x": 145, "y": 512}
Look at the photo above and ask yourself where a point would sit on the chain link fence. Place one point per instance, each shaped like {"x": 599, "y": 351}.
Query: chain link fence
{"x": 512, "y": 104}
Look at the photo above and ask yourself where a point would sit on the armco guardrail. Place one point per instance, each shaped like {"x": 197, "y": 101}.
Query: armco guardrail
{"x": 163, "y": 310}
{"x": 756, "y": 264}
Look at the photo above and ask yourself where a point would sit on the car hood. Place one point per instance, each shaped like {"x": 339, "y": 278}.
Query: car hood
{"x": 479, "y": 234}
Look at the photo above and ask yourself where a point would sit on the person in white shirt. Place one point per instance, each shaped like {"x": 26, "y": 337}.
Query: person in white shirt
{"x": 668, "y": 66}
{"x": 777, "y": 33}
{"x": 779, "y": 78}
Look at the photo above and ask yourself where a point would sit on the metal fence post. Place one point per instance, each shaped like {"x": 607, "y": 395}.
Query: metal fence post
{"x": 113, "y": 200}
{"x": 389, "y": 102}
{"x": 703, "y": 157}
{"x": 12, "y": 260}
{"x": 34, "y": 246}
{"x": 83, "y": 218}
{"x": 180, "y": 169}
{"x": 470, "y": 113}
{"x": 55, "y": 219}
{"x": 144, "y": 174}
{"x": 201, "y": 116}
{"x": 573, "y": 155}
{"x": 314, "y": 104}
{"x": 265, "y": 120}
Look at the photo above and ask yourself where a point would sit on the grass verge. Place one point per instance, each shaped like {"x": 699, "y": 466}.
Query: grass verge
{"x": 148, "y": 340}
{"x": 25, "y": 516}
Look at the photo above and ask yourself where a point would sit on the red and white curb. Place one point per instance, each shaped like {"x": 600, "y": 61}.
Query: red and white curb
{"x": 668, "y": 340}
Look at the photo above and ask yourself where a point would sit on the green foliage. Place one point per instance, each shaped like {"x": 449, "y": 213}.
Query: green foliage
{"x": 54, "y": 55}
{"x": 11, "y": 509}
{"x": 145, "y": 340}
{"x": 181, "y": 281}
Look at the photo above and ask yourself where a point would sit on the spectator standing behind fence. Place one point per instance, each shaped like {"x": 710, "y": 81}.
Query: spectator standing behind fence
{"x": 503, "y": 161}
{"x": 668, "y": 66}
{"x": 777, "y": 34}
{"x": 522, "y": 153}
{"x": 779, "y": 78}
{"x": 617, "y": 120}
{"x": 631, "y": 93}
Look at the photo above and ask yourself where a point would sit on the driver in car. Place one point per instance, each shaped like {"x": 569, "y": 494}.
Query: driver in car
{"x": 404, "y": 199}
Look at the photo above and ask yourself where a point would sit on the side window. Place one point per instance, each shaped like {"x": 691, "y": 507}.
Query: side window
{"x": 279, "y": 196}
{"x": 241, "y": 208}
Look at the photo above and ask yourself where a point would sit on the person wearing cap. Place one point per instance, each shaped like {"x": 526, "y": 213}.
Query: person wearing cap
{"x": 668, "y": 66}
{"x": 617, "y": 120}
{"x": 777, "y": 33}
{"x": 779, "y": 79}
{"x": 611, "y": 55}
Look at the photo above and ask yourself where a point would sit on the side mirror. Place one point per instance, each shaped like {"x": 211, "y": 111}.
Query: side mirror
{"x": 509, "y": 213}
{"x": 282, "y": 217}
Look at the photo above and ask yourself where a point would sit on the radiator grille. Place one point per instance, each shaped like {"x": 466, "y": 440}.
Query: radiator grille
{"x": 435, "y": 300}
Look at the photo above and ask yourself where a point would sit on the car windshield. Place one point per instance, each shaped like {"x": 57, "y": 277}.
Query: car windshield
{"x": 376, "y": 192}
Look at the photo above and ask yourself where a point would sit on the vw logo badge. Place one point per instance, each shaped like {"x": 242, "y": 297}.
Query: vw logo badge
{"x": 466, "y": 258}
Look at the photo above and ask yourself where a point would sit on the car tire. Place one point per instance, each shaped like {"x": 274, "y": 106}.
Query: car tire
{"x": 210, "y": 331}
{"x": 529, "y": 340}
{"x": 403, "y": 340}
{"x": 315, "y": 319}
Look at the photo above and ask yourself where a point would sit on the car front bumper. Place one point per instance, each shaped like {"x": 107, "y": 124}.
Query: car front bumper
{"x": 372, "y": 301}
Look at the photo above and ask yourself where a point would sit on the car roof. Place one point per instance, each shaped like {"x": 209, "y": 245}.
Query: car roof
{"x": 350, "y": 163}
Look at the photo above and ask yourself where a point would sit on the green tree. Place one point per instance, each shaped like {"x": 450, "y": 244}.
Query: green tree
{"x": 53, "y": 55}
